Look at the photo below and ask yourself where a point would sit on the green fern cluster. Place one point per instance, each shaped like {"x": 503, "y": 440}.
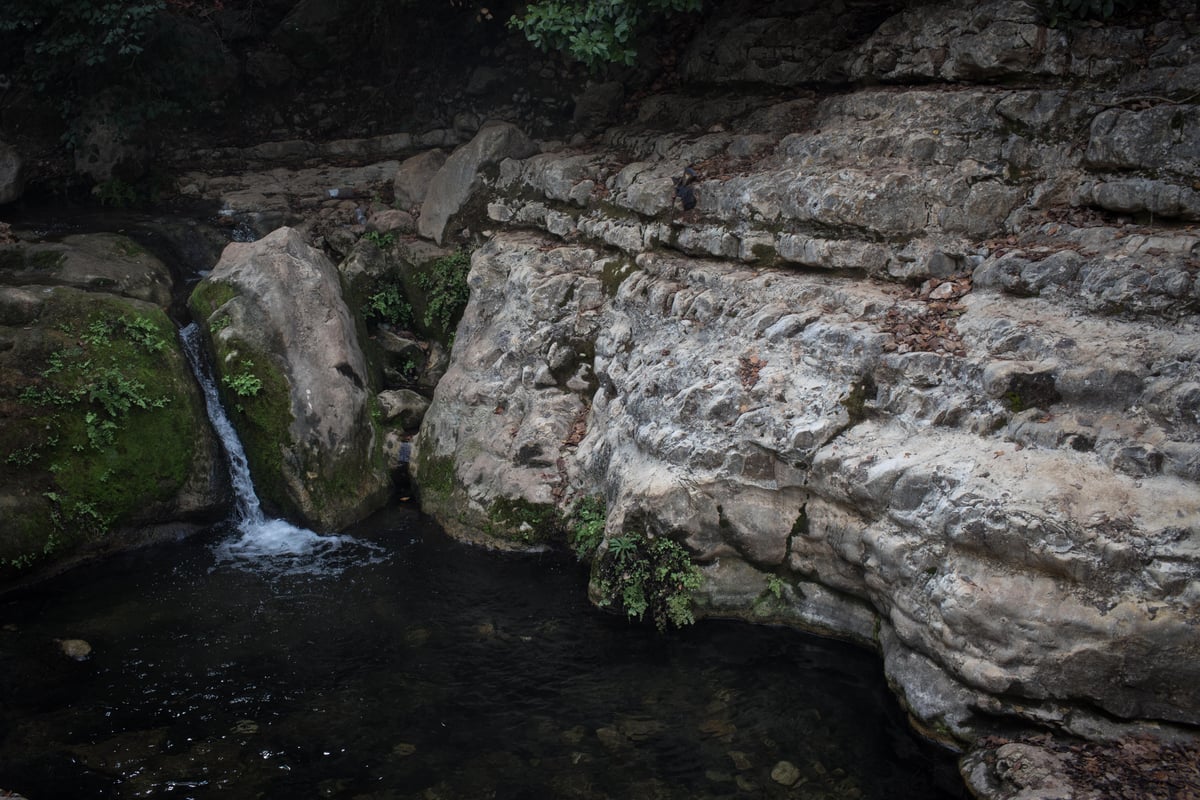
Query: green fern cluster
{"x": 446, "y": 292}
{"x": 641, "y": 575}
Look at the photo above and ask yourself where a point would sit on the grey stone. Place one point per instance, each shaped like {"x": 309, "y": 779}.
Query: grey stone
{"x": 107, "y": 262}
{"x": 403, "y": 406}
{"x": 75, "y": 649}
{"x": 288, "y": 311}
{"x": 459, "y": 175}
{"x": 597, "y": 105}
{"x": 1164, "y": 138}
{"x": 269, "y": 70}
{"x": 391, "y": 220}
{"x": 1136, "y": 195}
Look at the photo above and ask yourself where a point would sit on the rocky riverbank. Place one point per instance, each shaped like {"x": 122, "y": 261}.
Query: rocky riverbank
{"x": 892, "y": 331}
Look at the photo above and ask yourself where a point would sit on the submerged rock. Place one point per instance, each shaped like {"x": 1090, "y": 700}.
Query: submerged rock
{"x": 76, "y": 649}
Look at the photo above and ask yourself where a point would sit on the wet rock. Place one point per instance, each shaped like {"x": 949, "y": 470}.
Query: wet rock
{"x": 391, "y": 221}
{"x": 596, "y": 106}
{"x": 785, "y": 773}
{"x": 404, "y": 407}
{"x": 106, "y": 262}
{"x": 269, "y": 70}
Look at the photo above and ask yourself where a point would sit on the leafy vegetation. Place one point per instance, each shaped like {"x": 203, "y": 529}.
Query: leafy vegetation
{"x": 594, "y": 31}
{"x": 641, "y": 575}
{"x": 115, "y": 193}
{"x": 380, "y": 240}
{"x": 69, "y": 37}
{"x": 446, "y": 292}
{"x": 244, "y": 382}
{"x": 587, "y": 529}
{"x": 389, "y": 304}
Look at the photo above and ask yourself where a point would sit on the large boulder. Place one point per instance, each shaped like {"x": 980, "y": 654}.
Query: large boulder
{"x": 104, "y": 442}
{"x": 12, "y": 174}
{"x": 294, "y": 374}
{"x": 460, "y": 176}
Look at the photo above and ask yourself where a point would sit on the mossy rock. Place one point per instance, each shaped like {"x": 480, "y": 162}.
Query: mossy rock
{"x": 101, "y": 427}
{"x": 519, "y": 520}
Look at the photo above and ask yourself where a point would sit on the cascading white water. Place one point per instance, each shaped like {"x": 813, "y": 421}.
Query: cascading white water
{"x": 264, "y": 544}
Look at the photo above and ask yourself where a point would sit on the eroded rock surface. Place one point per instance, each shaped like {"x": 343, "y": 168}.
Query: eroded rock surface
{"x": 927, "y": 354}
{"x": 1037, "y": 553}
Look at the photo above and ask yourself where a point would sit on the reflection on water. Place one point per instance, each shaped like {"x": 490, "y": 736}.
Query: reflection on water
{"x": 419, "y": 668}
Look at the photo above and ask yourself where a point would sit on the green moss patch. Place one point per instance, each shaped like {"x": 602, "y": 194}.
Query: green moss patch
{"x": 208, "y": 296}
{"x": 520, "y": 520}
{"x": 614, "y": 273}
{"x": 98, "y": 423}
{"x": 262, "y": 417}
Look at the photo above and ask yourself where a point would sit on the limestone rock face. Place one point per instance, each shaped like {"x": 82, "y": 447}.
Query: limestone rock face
{"x": 1007, "y": 560}
{"x": 275, "y": 312}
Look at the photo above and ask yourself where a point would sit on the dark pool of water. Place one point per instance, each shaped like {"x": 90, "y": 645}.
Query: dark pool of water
{"x": 405, "y": 665}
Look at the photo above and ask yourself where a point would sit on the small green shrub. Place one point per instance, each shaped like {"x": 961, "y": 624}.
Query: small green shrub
{"x": 381, "y": 240}
{"x": 587, "y": 530}
{"x": 115, "y": 193}
{"x": 244, "y": 383}
{"x": 389, "y": 304}
{"x": 596, "y": 31}
{"x": 640, "y": 574}
{"x": 446, "y": 291}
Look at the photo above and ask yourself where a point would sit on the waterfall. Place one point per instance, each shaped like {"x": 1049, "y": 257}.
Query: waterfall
{"x": 263, "y": 544}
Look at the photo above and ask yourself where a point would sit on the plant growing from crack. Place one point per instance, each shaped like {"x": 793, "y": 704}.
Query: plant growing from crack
{"x": 642, "y": 574}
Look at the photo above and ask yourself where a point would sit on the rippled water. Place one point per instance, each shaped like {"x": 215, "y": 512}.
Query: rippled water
{"x": 399, "y": 664}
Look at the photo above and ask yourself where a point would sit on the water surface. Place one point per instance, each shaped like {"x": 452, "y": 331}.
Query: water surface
{"x": 400, "y": 664}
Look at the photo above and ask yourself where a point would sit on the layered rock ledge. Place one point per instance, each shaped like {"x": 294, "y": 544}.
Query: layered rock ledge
{"x": 918, "y": 366}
